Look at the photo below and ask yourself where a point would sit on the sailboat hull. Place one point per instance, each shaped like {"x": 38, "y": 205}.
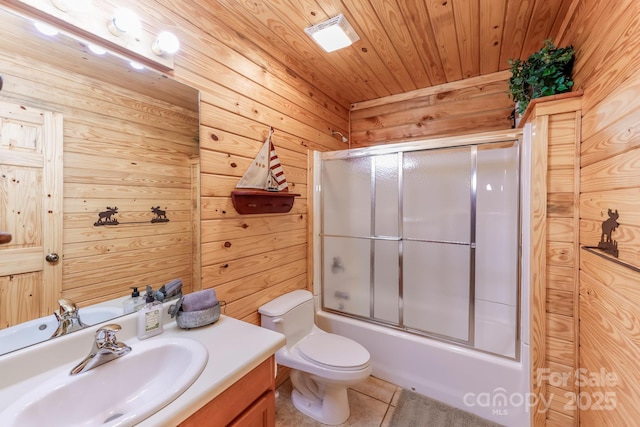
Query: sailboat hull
{"x": 253, "y": 201}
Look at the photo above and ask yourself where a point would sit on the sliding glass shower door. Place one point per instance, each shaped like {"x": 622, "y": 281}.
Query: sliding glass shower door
{"x": 437, "y": 235}
{"x": 399, "y": 240}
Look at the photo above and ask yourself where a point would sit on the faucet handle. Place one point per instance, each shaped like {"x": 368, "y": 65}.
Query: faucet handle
{"x": 66, "y": 308}
{"x": 111, "y": 327}
{"x": 107, "y": 334}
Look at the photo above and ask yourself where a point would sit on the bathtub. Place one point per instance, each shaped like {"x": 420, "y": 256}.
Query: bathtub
{"x": 492, "y": 387}
{"x": 448, "y": 316}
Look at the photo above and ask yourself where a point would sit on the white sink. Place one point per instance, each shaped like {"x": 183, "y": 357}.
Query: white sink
{"x": 120, "y": 393}
{"x": 38, "y": 330}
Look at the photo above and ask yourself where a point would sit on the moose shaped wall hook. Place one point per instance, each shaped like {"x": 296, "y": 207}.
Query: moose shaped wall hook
{"x": 160, "y": 214}
{"x": 107, "y": 217}
{"x": 607, "y": 244}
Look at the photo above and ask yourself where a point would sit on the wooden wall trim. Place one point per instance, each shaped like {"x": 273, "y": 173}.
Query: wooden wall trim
{"x": 576, "y": 245}
{"x": 310, "y": 219}
{"x": 196, "y": 266}
{"x": 52, "y": 277}
{"x": 445, "y": 87}
{"x": 555, "y": 225}
{"x": 553, "y": 104}
{"x": 478, "y": 104}
{"x": 537, "y": 280}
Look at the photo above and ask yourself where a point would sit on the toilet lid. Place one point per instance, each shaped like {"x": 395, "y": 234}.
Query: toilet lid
{"x": 333, "y": 351}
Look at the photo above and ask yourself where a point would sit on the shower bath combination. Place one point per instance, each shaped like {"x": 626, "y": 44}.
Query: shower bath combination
{"x": 423, "y": 238}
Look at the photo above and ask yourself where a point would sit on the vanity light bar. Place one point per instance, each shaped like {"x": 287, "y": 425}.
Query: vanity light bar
{"x": 126, "y": 21}
{"x": 120, "y": 31}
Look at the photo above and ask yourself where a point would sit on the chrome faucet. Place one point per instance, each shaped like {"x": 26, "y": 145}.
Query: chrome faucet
{"x": 68, "y": 315}
{"x": 105, "y": 349}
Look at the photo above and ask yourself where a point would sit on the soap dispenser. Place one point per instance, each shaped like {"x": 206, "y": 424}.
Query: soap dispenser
{"x": 134, "y": 302}
{"x": 150, "y": 317}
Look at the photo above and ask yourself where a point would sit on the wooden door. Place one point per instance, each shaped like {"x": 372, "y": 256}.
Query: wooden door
{"x": 31, "y": 203}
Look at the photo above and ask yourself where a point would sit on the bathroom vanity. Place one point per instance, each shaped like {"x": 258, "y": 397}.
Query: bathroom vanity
{"x": 248, "y": 402}
{"x": 235, "y": 388}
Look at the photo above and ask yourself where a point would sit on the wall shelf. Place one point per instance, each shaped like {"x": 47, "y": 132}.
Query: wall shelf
{"x": 596, "y": 251}
{"x": 262, "y": 201}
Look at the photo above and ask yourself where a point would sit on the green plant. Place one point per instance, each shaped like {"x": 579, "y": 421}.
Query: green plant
{"x": 545, "y": 72}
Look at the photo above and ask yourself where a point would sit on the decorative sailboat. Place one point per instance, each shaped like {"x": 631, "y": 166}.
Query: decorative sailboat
{"x": 263, "y": 188}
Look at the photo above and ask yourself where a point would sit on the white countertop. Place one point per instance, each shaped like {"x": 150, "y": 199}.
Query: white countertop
{"x": 235, "y": 348}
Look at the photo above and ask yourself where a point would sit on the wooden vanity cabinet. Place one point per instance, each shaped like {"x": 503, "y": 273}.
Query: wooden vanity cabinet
{"x": 250, "y": 402}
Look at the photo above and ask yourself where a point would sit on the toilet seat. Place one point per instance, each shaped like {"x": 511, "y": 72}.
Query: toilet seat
{"x": 334, "y": 352}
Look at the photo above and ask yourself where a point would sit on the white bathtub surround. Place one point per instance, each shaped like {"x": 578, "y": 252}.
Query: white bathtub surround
{"x": 463, "y": 378}
{"x": 426, "y": 240}
{"x": 434, "y": 250}
{"x": 496, "y": 278}
{"x": 234, "y": 348}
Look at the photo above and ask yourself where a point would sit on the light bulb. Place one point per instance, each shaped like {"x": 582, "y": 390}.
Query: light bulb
{"x": 46, "y": 29}
{"x": 62, "y": 5}
{"x": 98, "y": 50}
{"x": 165, "y": 43}
{"x": 124, "y": 21}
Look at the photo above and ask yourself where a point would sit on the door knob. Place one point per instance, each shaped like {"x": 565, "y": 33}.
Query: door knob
{"x": 52, "y": 257}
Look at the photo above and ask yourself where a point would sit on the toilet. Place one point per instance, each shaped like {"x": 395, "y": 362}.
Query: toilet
{"x": 323, "y": 365}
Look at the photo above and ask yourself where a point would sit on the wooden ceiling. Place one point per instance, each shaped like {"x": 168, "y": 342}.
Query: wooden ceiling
{"x": 404, "y": 44}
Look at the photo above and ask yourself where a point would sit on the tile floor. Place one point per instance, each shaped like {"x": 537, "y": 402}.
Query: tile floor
{"x": 372, "y": 403}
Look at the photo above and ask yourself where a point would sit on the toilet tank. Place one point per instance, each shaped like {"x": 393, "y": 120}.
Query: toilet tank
{"x": 291, "y": 314}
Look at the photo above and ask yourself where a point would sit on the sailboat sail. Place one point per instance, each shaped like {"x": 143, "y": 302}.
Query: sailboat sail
{"x": 263, "y": 188}
{"x": 265, "y": 172}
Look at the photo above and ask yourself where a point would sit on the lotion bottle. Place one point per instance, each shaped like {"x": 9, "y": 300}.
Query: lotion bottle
{"x": 134, "y": 302}
{"x": 150, "y": 317}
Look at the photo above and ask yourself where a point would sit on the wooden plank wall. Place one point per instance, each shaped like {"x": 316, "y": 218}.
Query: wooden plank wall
{"x": 607, "y": 67}
{"x": 472, "y": 105}
{"x": 120, "y": 149}
{"x": 561, "y": 349}
{"x": 245, "y": 88}
{"x": 554, "y": 283}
